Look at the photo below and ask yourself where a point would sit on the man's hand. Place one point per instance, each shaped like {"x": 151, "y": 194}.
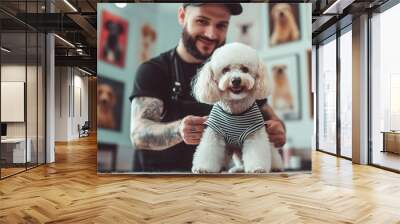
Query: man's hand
{"x": 191, "y": 129}
{"x": 276, "y": 132}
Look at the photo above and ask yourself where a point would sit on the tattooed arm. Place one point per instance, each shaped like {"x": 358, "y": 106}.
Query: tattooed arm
{"x": 147, "y": 132}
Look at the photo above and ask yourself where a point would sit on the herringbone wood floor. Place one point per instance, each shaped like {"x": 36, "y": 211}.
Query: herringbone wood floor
{"x": 70, "y": 191}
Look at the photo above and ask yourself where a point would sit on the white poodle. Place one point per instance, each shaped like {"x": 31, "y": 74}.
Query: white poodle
{"x": 232, "y": 80}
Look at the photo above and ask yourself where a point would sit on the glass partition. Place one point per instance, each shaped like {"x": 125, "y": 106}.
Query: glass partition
{"x": 31, "y": 98}
{"x": 13, "y": 103}
{"x": 22, "y": 78}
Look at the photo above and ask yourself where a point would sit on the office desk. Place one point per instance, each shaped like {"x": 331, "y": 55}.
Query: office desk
{"x": 16, "y": 148}
{"x": 391, "y": 141}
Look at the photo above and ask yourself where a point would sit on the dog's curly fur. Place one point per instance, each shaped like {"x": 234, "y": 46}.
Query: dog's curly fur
{"x": 214, "y": 84}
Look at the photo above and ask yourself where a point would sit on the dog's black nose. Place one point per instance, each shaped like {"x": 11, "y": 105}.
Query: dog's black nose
{"x": 236, "y": 82}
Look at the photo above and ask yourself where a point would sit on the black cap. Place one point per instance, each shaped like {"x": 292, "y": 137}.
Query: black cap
{"x": 234, "y": 8}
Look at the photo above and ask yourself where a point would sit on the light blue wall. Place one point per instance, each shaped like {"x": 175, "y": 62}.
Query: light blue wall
{"x": 163, "y": 17}
{"x": 135, "y": 14}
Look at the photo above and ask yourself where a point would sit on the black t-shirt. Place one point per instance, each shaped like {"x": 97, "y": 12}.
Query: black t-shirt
{"x": 156, "y": 78}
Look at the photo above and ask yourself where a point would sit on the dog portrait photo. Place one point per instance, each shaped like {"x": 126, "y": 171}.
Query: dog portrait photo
{"x": 247, "y": 26}
{"x": 245, "y": 33}
{"x": 148, "y": 37}
{"x": 109, "y": 103}
{"x": 285, "y": 98}
{"x": 284, "y": 25}
{"x": 113, "y": 39}
{"x": 282, "y": 97}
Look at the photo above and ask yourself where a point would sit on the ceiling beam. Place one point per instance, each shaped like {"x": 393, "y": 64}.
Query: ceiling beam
{"x": 82, "y": 61}
{"x": 337, "y": 7}
{"x": 86, "y": 26}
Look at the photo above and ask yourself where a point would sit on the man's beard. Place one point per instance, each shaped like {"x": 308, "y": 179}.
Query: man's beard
{"x": 190, "y": 44}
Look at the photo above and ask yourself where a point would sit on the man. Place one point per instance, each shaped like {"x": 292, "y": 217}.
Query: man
{"x": 166, "y": 121}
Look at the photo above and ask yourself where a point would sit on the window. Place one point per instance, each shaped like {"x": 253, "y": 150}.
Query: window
{"x": 327, "y": 96}
{"x": 346, "y": 93}
{"x": 385, "y": 87}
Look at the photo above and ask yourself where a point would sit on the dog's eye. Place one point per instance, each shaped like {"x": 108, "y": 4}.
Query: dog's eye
{"x": 225, "y": 70}
{"x": 244, "y": 69}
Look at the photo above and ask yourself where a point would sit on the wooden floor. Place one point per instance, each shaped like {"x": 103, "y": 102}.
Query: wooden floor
{"x": 10, "y": 171}
{"x": 5, "y": 172}
{"x": 386, "y": 159}
{"x": 70, "y": 191}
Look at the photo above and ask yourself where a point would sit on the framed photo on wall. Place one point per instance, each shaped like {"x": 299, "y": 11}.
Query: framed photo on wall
{"x": 109, "y": 103}
{"x": 285, "y": 96}
{"x": 106, "y": 157}
{"x": 148, "y": 38}
{"x": 247, "y": 27}
{"x": 113, "y": 39}
{"x": 284, "y": 23}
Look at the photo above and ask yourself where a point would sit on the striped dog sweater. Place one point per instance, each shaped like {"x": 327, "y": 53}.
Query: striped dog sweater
{"x": 235, "y": 127}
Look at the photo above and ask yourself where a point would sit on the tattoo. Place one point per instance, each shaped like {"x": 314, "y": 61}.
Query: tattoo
{"x": 147, "y": 108}
{"x": 147, "y": 131}
{"x": 158, "y": 136}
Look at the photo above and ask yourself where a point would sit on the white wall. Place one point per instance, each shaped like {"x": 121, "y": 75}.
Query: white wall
{"x": 61, "y": 103}
{"x": 71, "y": 87}
{"x": 13, "y": 73}
{"x": 80, "y": 94}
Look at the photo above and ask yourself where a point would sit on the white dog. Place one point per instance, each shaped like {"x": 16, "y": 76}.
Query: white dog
{"x": 232, "y": 80}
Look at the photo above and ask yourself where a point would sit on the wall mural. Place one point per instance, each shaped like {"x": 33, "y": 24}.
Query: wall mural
{"x": 138, "y": 33}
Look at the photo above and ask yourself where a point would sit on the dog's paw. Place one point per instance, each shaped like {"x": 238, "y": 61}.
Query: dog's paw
{"x": 203, "y": 170}
{"x": 256, "y": 170}
{"x": 236, "y": 169}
